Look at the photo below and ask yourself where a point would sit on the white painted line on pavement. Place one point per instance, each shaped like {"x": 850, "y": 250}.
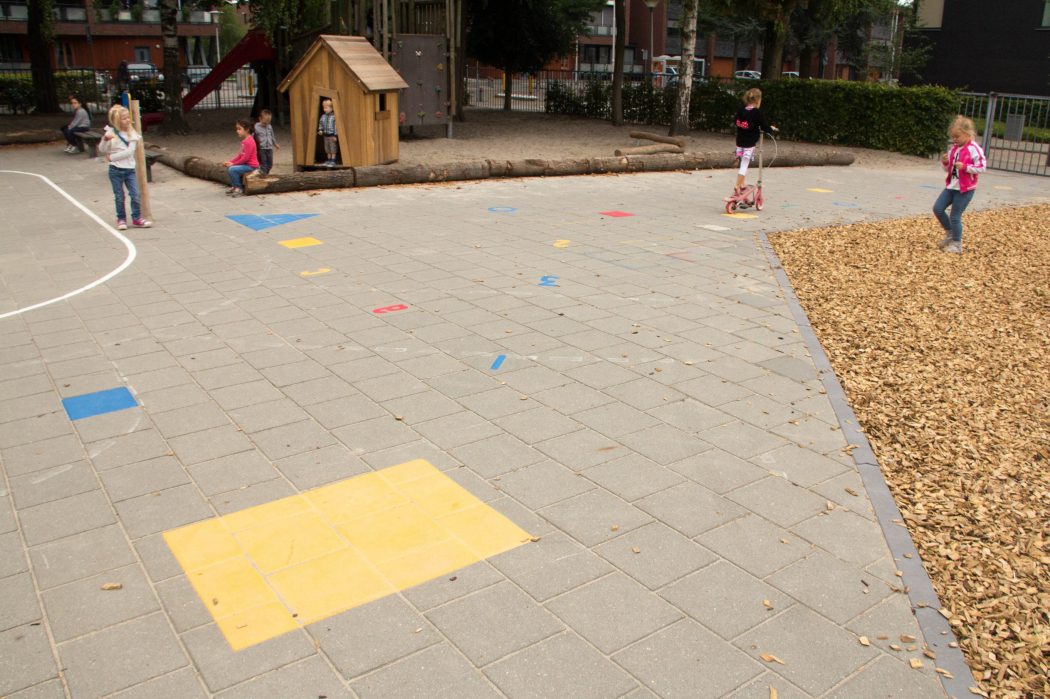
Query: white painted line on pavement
{"x": 132, "y": 252}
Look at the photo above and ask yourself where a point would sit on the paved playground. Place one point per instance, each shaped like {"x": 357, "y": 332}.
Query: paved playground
{"x": 539, "y": 438}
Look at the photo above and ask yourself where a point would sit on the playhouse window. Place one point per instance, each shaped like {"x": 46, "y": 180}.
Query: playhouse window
{"x": 382, "y": 102}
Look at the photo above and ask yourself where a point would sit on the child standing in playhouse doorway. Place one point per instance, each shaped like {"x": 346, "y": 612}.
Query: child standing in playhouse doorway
{"x": 963, "y": 163}
{"x": 326, "y": 129}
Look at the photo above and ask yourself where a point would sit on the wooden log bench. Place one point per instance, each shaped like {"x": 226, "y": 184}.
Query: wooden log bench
{"x": 152, "y": 156}
{"x": 90, "y": 139}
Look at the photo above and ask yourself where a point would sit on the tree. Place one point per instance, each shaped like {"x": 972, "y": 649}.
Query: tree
{"x": 620, "y": 20}
{"x": 41, "y": 40}
{"x": 687, "y": 29}
{"x": 174, "y": 120}
{"x": 521, "y": 35}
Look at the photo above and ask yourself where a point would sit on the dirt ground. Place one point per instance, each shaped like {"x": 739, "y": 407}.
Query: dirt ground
{"x": 944, "y": 360}
{"x": 485, "y": 134}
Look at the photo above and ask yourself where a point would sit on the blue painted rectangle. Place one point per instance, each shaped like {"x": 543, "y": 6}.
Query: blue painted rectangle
{"x": 100, "y": 403}
{"x": 499, "y": 362}
{"x": 261, "y": 223}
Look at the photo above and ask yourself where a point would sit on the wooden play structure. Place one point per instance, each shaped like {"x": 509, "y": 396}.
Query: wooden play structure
{"x": 364, "y": 93}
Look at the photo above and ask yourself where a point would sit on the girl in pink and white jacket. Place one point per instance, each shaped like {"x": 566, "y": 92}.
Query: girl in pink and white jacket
{"x": 963, "y": 163}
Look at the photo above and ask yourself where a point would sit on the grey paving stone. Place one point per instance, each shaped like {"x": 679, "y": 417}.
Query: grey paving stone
{"x": 289, "y": 440}
{"x": 182, "y": 604}
{"x": 79, "y": 556}
{"x": 151, "y": 476}
{"x": 817, "y": 654}
{"x": 310, "y": 677}
{"x": 537, "y": 425}
{"x": 457, "y": 430}
{"x": 664, "y": 444}
{"x": 632, "y": 477}
{"x": 835, "y": 490}
{"x": 778, "y": 501}
{"x": 550, "y": 566}
{"x": 801, "y": 466}
{"x": 601, "y": 375}
{"x": 590, "y": 610}
{"x": 83, "y": 607}
{"x": 34, "y": 429}
{"x": 726, "y": 599}
{"x": 265, "y": 416}
{"x": 463, "y": 383}
{"x": 690, "y": 508}
{"x": 496, "y": 455}
{"x": 161, "y": 511}
{"x": 209, "y": 444}
{"x": 182, "y": 684}
{"x": 541, "y": 672}
{"x": 690, "y": 415}
{"x": 892, "y": 618}
{"x": 43, "y": 454}
{"x": 755, "y": 545}
{"x": 543, "y": 484}
{"x": 712, "y": 390}
{"x": 686, "y": 660}
{"x": 438, "y": 671}
{"x": 740, "y": 439}
{"x": 446, "y": 588}
{"x": 25, "y": 659}
{"x": 493, "y": 623}
{"x": 759, "y": 689}
{"x": 845, "y": 535}
{"x": 780, "y": 388}
{"x": 157, "y": 558}
{"x": 65, "y": 517}
{"x": 126, "y": 449}
{"x": 581, "y": 449}
{"x": 375, "y": 435}
{"x": 172, "y": 398}
{"x": 47, "y": 690}
{"x": 52, "y": 484}
{"x": 589, "y": 518}
{"x": 221, "y": 667}
{"x": 889, "y": 678}
{"x": 410, "y": 451}
{"x": 93, "y": 429}
{"x": 571, "y": 398}
{"x": 232, "y": 472}
{"x": 368, "y": 637}
{"x": 829, "y": 587}
{"x": 655, "y": 555}
{"x": 12, "y": 556}
{"x": 313, "y": 469}
{"x": 762, "y": 411}
{"x": 252, "y": 495}
{"x": 20, "y": 606}
{"x": 120, "y": 657}
{"x": 718, "y": 470}
{"x": 615, "y": 419}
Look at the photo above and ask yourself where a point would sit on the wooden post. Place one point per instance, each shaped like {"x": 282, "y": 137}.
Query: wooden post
{"x": 140, "y": 163}
{"x": 450, "y": 39}
{"x": 412, "y": 17}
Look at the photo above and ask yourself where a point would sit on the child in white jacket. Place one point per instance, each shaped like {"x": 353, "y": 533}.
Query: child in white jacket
{"x": 118, "y": 144}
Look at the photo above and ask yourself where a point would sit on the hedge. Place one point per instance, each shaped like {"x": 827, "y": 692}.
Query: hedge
{"x": 912, "y": 120}
{"x": 16, "y": 91}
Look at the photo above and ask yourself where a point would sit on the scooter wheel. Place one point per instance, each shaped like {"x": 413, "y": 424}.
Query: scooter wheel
{"x": 759, "y": 203}
{"x": 731, "y": 207}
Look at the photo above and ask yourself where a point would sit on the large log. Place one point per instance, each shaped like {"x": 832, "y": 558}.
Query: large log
{"x": 648, "y": 150}
{"x": 646, "y": 136}
{"x": 486, "y": 169}
{"x": 35, "y": 136}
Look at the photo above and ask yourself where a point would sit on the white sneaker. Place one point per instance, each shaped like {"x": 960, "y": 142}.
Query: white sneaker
{"x": 122, "y": 225}
{"x": 945, "y": 242}
{"x": 954, "y": 247}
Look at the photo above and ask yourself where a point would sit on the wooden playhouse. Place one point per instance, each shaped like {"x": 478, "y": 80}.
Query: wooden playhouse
{"x": 363, "y": 89}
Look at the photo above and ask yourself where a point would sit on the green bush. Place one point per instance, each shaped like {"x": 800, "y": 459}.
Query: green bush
{"x": 16, "y": 91}
{"x": 911, "y": 120}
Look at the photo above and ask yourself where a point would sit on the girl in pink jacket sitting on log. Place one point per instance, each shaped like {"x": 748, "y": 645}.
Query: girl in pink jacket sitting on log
{"x": 246, "y": 161}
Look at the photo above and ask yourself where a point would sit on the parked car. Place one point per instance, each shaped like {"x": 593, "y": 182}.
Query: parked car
{"x": 131, "y": 74}
{"x": 789, "y": 74}
{"x": 747, "y": 75}
{"x": 194, "y": 74}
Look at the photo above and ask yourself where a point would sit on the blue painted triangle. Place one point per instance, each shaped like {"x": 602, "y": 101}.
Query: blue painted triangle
{"x": 258, "y": 223}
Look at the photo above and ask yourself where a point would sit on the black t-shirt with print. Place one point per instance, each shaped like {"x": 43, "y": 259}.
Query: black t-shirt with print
{"x": 749, "y": 120}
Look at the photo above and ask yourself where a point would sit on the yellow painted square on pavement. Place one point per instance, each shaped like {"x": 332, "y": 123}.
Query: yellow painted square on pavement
{"x": 300, "y": 242}
{"x": 356, "y": 497}
{"x": 288, "y": 542}
{"x": 334, "y": 548}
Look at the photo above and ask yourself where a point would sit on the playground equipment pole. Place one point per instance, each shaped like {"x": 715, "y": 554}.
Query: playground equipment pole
{"x": 140, "y": 162}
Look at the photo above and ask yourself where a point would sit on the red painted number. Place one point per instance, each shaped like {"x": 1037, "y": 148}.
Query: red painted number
{"x": 388, "y": 309}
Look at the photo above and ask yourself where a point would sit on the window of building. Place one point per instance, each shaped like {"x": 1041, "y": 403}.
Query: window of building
{"x": 1046, "y": 15}
{"x": 596, "y": 53}
{"x": 10, "y": 48}
{"x": 63, "y": 54}
{"x": 142, "y": 54}
{"x": 930, "y": 14}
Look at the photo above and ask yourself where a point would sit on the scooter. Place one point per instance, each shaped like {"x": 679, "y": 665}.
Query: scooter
{"x": 751, "y": 195}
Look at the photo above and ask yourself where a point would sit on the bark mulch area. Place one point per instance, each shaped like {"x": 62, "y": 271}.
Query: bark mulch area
{"x": 946, "y": 361}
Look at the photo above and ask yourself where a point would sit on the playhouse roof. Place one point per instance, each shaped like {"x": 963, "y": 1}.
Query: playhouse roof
{"x": 359, "y": 58}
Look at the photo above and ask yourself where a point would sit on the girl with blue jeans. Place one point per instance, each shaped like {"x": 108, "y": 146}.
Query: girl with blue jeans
{"x": 118, "y": 144}
{"x": 246, "y": 161}
{"x": 963, "y": 163}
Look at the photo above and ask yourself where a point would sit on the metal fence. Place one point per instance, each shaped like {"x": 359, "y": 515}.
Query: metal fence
{"x": 485, "y": 86}
{"x": 101, "y": 88}
{"x": 1014, "y": 129}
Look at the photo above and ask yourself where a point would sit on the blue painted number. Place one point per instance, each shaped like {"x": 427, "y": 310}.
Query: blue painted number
{"x": 548, "y": 281}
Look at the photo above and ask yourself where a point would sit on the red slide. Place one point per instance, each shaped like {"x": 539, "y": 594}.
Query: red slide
{"x": 253, "y": 47}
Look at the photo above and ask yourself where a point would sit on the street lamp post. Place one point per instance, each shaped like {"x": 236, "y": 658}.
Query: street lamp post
{"x": 651, "y": 4}
{"x": 215, "y": 15}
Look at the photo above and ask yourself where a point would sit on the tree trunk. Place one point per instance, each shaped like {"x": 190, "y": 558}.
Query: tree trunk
{"x": 805, "y": 63}
{"x": 687, "y": 30}
{"x": 831, "y": 67}
{"x": 508, "y": 84}
{"x": 773, "y": 51}
{"x": 620, "y": 21}
{"x": 41, "y": 40}
{"x": 174, "y": 120}
{"x": 752, "y": 61}
{"x": 736, "y": 52}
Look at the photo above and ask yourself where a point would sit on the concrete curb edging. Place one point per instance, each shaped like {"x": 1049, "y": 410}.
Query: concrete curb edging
{"x": 379, "y": 175}
{"x": 936, "y": 630}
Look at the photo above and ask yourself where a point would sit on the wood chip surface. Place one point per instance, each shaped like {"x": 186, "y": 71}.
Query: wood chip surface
{"x": 946, "y": 361}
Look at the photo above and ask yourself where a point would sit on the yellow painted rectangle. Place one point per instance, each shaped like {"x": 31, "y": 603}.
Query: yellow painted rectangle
{"x": 300, "y": 242}
{"x": 270, "y": 569}
{"x": 822, "y": 191}
{"x": 740, "y": 215}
